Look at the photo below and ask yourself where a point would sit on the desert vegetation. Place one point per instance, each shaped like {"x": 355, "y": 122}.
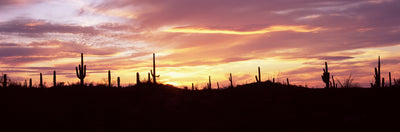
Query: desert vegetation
{"x": 327, "y": 78}
{"x": 150, "y": 105}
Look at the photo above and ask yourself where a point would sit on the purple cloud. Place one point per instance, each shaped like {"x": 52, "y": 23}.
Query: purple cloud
{"x": 31, "y": 26}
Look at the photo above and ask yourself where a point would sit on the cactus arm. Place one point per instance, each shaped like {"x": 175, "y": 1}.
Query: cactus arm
{"x": 256, "y": 78}
{"x": 77, "y": 73}
{"x": 84, "y": 72}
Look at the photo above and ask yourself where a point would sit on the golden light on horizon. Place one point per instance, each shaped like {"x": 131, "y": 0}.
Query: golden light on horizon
{"x": 173, "y": 84}
{"x": 301, "y": 28}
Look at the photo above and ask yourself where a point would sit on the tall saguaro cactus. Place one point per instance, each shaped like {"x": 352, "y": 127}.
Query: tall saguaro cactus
{"x": 153, "y": 72}
{"x": 109, "y": 78}
{"x": 377, "y": 75}
{"x": 54, "y": 79}
{"x": 137, "y": 78}
{"x": 41, "y": 81}
{"x": 390, "y": 79}
{"x": 5, "y": 80}
{"x": 30, "y": 82}
{"x": 118, "y": 82}
{"x": 230, "y": 79}
{"x": 81, "y": 73}
{"x": 326, "y": 76}
{"x": 209, "y": 82}
{"x": 258, "y": 79}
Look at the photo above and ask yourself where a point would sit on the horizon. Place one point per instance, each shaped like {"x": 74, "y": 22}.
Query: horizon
{"x": 196, "y": 39}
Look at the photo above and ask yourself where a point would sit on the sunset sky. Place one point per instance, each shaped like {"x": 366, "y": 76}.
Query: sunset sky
{"x": 193, "y": 39}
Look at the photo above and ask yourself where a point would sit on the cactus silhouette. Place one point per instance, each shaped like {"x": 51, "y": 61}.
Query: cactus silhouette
{"x": 54, "y": 79}
{"x": 148, "y": 78}
{"x": 30, "y": 82}
{"x": 41, "y": 81}
{"x": 325, "y": 76}
{"x": 109, "y": 78}
{"x": 192, "y": 86}
{"x": 259, "y": 76}
{"x": 390, "y": 79}
{"x": 333, "y": 83}
{"x": 217, "y": 86}
{"x": 4, "y": 80}
{"x": 153, "y": 72}
{"x": 209, "y": 82}
{"x": 118, "y": 82}
{"x": 287, "y": 80}
{"x": 137, "y": 78}
{"x": 383, "y": 82}
{"x": 81, "y": 73}
{"x": 377, "y": 75}
{"x": 273, "y": 80}
{"x": 230, "y": 79}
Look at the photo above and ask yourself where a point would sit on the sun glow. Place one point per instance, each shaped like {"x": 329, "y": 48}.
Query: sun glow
{"x": 265, "y": 30}
{"x": 173, "y": 83}
{"x": 34, "y": 24}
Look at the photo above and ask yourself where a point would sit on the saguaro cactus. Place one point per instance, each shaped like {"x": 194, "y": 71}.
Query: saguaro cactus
{"x": 325, "y": 76}
{"x": 148, "y": 78}
{"x": 377, "y": 75}
{"x": 390, "y": 79}
{"x": 333, "y": 83}
{"x": 137, "y": 78}
{"x": 217, "y": 86}
{"x": 54, "y": 79}
{"x": 30, "y": 82}
{"x": 287, "y": 80}
{"x": 4, "y": 80}
{"x": 81, "y": 73}
{"x": 230, "y": 79}
{"x": 153, "y": 72}
{"x": 41, "y": 81}
{"x": 383, "y": 82}
{"x": 118, "y": 82}
{"x": 192, "y": 86}
{"x": 109, "y": 78}
{"x": 259, "y": 75}
{"x": 209, "y": 82}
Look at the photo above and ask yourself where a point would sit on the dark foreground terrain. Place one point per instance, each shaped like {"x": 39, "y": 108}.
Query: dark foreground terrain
{"x": 149, "y": 107}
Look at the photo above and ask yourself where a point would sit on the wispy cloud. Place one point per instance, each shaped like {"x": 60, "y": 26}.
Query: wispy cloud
{"x": 262, "y": 31}
{"x": 31, "y": 26}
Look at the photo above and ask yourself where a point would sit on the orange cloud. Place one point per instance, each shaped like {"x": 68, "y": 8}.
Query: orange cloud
{"x": 34, "y": 24}
{"x": 301, "y": 28}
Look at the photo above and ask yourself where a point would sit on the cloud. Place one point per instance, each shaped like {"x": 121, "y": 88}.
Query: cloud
{"x": 209, "y": 33}
{"x": 17, "y": 54}
{"x": 39, "y": 27}
{"x": 17, "y": 2}
{"x": 262, "y": 31}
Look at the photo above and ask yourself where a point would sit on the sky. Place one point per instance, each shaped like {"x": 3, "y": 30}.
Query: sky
{"x": 195, "y": 39}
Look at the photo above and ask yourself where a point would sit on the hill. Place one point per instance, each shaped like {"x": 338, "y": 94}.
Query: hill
{"x": 261, "y": 106}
